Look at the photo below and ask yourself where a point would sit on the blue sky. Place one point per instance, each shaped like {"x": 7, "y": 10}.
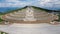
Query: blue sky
{"x": 48, "y": 4}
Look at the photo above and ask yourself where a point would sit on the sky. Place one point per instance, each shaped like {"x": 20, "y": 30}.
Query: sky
{"x": 48, "y": 4}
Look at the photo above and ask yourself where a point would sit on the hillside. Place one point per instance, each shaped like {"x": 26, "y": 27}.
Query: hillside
{"x": 26, "y": 7}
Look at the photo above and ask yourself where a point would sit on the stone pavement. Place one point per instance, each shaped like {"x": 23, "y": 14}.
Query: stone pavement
{"x": 31, "y": 29}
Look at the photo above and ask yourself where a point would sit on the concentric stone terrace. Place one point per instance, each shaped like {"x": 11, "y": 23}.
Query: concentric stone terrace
{"x": 30, "y": 15}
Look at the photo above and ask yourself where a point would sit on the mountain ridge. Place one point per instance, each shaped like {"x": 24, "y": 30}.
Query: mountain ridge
{"x": 38, "y": 8}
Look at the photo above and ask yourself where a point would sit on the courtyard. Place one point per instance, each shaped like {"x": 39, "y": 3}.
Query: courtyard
{"x": 30, "y": 28}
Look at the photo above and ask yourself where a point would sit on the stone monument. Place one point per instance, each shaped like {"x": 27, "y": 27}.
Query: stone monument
{"x": 29, "y": 15}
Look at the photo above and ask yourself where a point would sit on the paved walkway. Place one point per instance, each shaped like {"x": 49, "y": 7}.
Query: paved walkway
{"x": 31, "y": 29}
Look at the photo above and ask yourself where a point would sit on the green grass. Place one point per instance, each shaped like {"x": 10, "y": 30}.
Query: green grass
{"x": 3, "y": 32}
{"x": 59, "y": 17}
{"x": 1, "y": 18}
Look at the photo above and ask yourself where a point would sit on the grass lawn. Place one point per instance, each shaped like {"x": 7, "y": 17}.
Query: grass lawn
{"x": 3, "y": 32}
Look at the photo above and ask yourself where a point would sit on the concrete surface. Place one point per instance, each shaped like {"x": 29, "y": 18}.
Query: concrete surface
{"x": 31, "y": 29}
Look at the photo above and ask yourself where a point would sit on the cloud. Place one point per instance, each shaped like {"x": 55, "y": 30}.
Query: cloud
{"x": 15, "y": 3}
{"x": 39, "y": 3}
{"x": 12, "y": 4}
{"x": 51, "y": 4}
{"x": 12, "y": 0}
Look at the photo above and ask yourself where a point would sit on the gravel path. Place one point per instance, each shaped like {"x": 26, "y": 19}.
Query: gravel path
{"x": 31, "y": 29}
